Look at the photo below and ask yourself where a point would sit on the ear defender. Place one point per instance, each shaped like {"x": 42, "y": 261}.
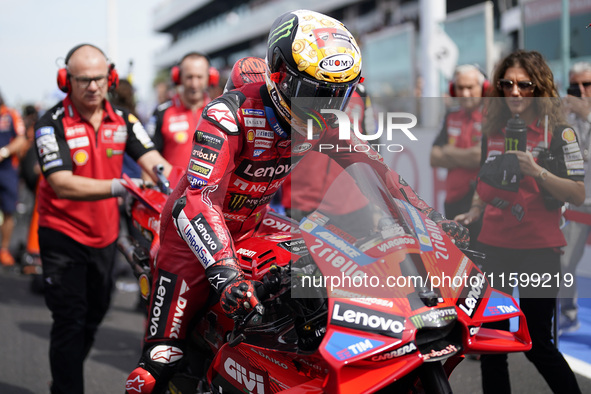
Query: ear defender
{"x": 213, "y": 74}
{"x": 175, "y": 75}
{"x": 485, "y": 84}
{"x": 63, "y": 80}
{"x": 63, "y": 76}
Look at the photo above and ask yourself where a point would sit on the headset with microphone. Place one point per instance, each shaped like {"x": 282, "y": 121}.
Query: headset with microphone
{"x": 63, "y": 75}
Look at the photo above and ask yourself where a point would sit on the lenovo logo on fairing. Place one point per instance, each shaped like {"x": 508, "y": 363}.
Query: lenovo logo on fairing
{"x": 366, "y": 319}
{"x": 468, "y": 302}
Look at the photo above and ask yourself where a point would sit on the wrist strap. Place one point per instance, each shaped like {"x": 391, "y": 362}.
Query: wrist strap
{"x": 223, "y": 273}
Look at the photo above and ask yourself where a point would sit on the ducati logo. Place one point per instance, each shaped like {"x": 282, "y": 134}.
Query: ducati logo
{"x": 237, "y": 201}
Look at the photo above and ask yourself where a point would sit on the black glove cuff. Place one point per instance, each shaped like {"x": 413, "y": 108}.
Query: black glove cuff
{"x": 223, "y": 273}
{"x": 434, "y": 215}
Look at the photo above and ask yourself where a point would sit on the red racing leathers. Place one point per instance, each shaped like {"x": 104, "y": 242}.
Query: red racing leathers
{"x": 241, "y": 155}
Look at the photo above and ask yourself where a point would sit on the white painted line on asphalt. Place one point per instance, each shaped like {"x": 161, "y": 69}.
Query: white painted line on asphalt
{"x": 578, "y": 366}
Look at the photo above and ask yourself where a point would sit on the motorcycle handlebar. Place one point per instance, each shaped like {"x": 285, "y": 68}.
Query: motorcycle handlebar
{"x": 270, "y": 284}
{"x": 162, "y": 182}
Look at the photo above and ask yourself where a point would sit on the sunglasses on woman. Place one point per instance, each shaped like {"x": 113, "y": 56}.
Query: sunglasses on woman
{"x": 522, "y": 86}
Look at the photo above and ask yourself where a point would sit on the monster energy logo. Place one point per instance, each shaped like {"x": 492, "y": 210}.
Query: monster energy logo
{"x": 237, "y": 201}
{"x": 417, "y": 321}
{"x": 283, "y": 30}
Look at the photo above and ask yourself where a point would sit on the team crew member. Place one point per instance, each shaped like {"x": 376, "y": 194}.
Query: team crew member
{"x": 244, "y": 147}
{"x": 12, "y": 142}
{"x": 520, "y": 232}
{"x": 576, "y": 233}
{"x": 457, "y": 147}
{"x": 80, "y": 144}
{"x": 173, "y": 123}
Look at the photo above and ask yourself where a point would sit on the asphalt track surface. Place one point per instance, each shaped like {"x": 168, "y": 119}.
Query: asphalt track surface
{"x": 24, "y": 330}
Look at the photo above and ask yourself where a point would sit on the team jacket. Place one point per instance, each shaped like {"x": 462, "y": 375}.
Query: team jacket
{"x": 528, "y": 224}
{"x": 11, "y": 125}
{"x": 241, "y": 155}
{"x": 65, "y": 141}
{"x": 463, "y": 130}
{"x": 171, "y": 127}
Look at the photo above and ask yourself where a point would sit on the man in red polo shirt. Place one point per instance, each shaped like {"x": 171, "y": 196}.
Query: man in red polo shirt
{"x": 80, "y": 144}
{"x": 174, "y": 122}
{"x": 457, "y": 147}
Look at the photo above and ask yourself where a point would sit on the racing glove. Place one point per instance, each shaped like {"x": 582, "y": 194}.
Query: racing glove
{"x": 238, "y": 296}
{"x": 454, "y": 230}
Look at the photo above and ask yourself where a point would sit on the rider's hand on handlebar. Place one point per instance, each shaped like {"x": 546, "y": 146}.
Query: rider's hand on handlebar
{"x": 240, "y": 297}
{"x": 455, "y": 230}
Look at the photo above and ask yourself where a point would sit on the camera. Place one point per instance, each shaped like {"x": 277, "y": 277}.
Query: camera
{"x": 556, "y": 165}
{"x": 574, "y": 90}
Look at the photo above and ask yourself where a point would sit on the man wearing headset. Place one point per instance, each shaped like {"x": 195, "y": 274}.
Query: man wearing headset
{"x": 245, "y": 145}
{"x": 173, "y": 123}
{"x": 80, "y": 144}
{"x": 457, "y": 147}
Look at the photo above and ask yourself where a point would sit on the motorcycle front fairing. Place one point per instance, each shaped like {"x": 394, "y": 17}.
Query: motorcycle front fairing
{"x": 400, "y": 292}
{"x": 378, "y": 275}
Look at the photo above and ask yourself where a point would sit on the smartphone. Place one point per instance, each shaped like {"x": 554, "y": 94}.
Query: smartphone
{"x": 574, "y": 90}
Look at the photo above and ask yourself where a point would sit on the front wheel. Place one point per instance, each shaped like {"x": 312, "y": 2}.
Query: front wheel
{"x": 434, "y": 379}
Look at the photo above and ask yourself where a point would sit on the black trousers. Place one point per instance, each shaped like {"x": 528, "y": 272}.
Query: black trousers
{"x": 78, "y": 285}
{"x": 538, "y": 306}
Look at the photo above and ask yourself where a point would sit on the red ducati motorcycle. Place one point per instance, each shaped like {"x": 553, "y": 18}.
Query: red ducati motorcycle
{"x": 377, "y": 300}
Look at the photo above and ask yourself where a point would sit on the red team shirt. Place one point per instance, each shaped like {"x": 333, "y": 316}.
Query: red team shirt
{"x": 523, "y": 225}
{"x": 65, "y": 141}
{"x": 464, "y": 130}
{"x": 172, "y": 127}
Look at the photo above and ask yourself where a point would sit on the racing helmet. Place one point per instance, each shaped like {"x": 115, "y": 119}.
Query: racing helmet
{"x": 314, "y": 57}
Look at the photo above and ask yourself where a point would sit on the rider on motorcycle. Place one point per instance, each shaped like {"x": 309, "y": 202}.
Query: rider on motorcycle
{"x": 244, "y": 147}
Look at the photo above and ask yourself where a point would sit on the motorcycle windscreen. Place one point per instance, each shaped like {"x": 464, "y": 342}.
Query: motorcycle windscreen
{"x": 368, "y": 244}
{"x": 386, "y": 249}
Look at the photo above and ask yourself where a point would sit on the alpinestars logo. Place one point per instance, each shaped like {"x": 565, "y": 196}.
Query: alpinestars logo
{"x": 135, "y": 384}
{"x": 166, "y": 354}
{"x": 221, "y": 114}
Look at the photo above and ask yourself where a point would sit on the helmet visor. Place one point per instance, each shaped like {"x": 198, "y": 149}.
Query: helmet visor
{"x": 312, "y": 94}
